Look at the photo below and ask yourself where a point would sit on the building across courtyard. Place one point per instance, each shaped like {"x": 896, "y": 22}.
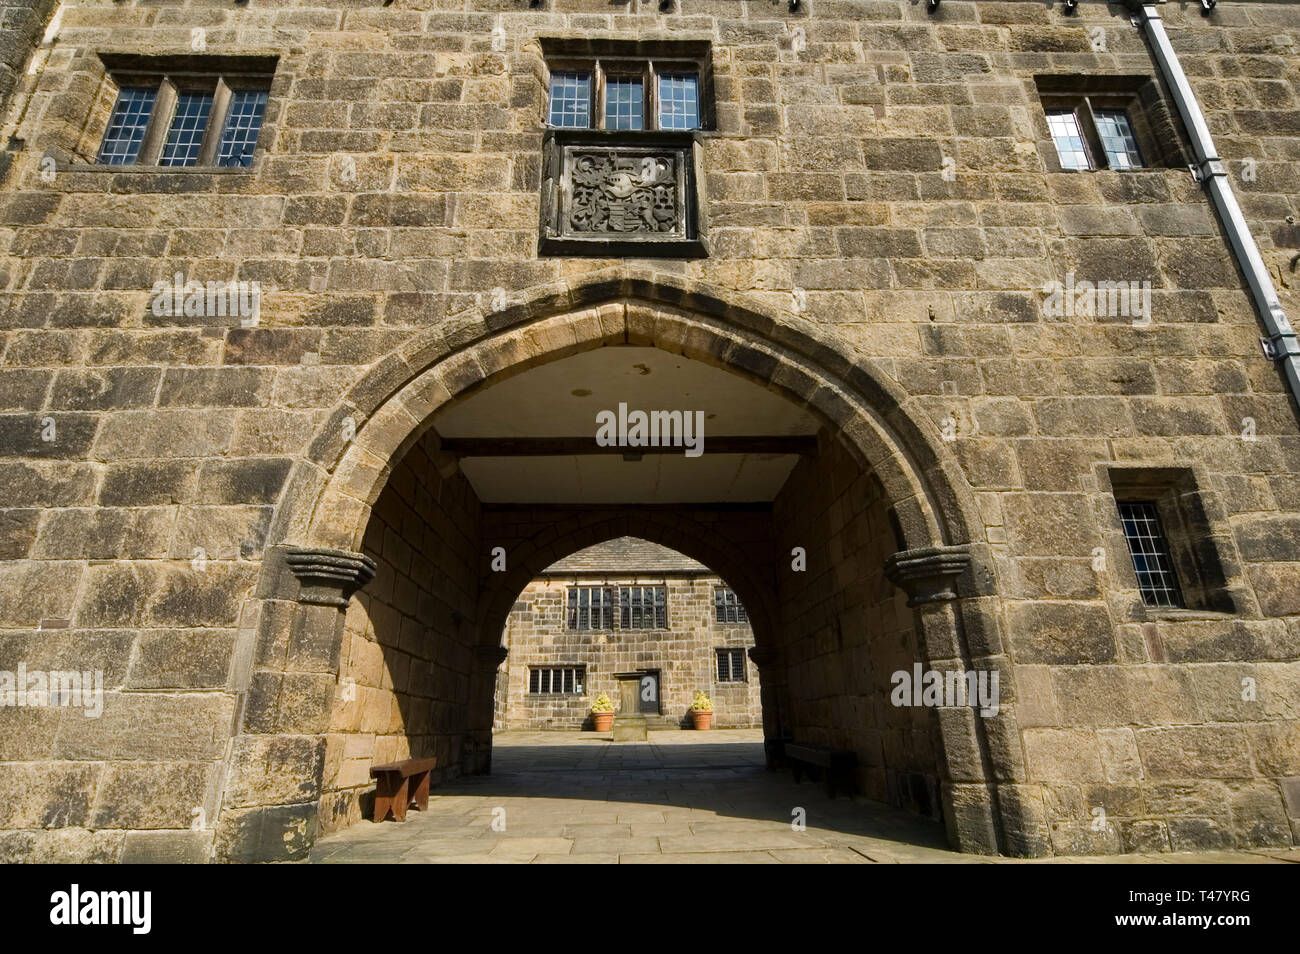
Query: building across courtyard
{"x": 625, "y": 606}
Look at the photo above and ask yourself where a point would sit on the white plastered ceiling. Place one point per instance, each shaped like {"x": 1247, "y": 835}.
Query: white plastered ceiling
{"x": 561, "y": 399}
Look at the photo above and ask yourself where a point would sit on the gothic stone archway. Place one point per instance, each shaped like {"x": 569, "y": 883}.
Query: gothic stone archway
{"x": 273, "y": 792}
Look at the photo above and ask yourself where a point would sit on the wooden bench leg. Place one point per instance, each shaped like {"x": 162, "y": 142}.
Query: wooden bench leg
{"x": 421, "y": 795}
{"x": 402, "y": 800}
{"x": 797, "y": 771}
{"x": 385, "y": 792}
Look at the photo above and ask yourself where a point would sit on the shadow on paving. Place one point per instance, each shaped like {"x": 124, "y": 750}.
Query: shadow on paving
{"x": 706, "y": 777}
{"x": 584, "y": 798}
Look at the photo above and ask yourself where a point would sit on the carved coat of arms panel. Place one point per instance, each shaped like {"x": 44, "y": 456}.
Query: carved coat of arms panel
{"x": 623, "y": 192}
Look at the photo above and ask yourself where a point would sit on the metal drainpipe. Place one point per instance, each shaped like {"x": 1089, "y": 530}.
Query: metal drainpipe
{"x": 1280, "y": 345}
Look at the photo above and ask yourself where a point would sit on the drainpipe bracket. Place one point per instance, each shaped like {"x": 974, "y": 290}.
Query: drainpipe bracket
{"x": 1279, "y": 346}
{"x": 1207, "y": 169}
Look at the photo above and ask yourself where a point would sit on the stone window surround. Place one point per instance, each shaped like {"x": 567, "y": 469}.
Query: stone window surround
{"x": 622, "y": 57}
{"x": 1215, "y": 588}
{"x": 98, "y": 104}
{"x": 170, "y": 85}
{"x": 1160, "y": 138}
{"x": 688, "y": 238}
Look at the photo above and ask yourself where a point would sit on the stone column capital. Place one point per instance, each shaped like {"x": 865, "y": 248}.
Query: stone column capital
{"x": 928, "y": 574}
{"x": 490, "y": 658}
{"x": 764, "y": 656}
{"x": 328, "y": 577}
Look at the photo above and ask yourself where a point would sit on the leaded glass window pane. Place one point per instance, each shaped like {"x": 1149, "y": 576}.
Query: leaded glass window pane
{"x": 679, "y": 101}
{"x": 1070, "y": 147}
{"x": 127, "y": 124}
{"x": 570, "y": 100}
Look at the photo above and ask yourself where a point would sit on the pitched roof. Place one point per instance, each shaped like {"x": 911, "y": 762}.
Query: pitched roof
{"x": 626, "y": 555}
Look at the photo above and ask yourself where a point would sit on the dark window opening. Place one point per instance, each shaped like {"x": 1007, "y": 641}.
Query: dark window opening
{"x": 557, "y": 681}
{"x": 639, "y": 607}
{"x": 643, "y": 607}
{"x": 1168, "y": 528}
{"x": 727, "y": 607}
{"x": 625, "y": 93}
{"x": 731, "y": 665}
{"x": 1157, "y": 581}
{"x": 590, "y": 607}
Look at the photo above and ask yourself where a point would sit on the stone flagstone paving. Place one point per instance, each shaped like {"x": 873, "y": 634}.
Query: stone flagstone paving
{"x": 681, "y": 797}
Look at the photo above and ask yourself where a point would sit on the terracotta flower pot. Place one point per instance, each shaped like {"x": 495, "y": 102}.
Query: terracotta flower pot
{"x": 604, "y": 721}
{"x": 703, "y": 719}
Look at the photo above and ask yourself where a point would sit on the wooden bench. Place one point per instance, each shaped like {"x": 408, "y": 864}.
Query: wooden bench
{"x": 774, "y": 752}
{"x": 397, "y": 784}
{"x": 837, "y": 767}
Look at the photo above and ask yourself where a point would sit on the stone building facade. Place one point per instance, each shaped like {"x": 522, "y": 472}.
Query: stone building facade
{"x": 548, "y": 630}
{"x": 288, "y": 540}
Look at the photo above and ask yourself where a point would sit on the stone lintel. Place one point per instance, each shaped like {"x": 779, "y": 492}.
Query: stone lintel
{"x": 328, "y": 577}
{"x": 928, "y": 574}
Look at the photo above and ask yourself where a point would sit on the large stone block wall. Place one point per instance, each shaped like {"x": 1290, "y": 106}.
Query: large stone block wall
{"x": 684, "y": 653}
{"x": 891, "y": 166}
{"x": 846, "y": 631}
{"x": 22, "y": 23}
{"x": 407, "y": 655}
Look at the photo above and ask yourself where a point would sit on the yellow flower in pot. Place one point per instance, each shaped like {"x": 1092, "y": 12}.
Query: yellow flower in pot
{"x": 702, "y": 711}
{"x": 602, "y": 712}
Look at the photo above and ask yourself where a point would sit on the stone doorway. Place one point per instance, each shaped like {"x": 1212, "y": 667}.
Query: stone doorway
{"x": 457, "y": 488}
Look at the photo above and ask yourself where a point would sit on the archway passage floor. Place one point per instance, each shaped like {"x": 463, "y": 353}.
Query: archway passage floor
{"x": 681, "y": 797}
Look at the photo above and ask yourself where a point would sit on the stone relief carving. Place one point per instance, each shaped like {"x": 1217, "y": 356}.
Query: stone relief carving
{"x": 618, "y": 192}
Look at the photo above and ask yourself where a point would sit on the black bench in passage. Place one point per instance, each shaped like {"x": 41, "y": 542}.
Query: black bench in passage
{"x": 774, "y": 752}
{"x": 835, "y": 767}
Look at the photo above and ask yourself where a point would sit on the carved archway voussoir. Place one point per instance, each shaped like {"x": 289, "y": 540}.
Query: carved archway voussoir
{"x": 330, "y": 441}
{"x": 379, "y": 384}
{"x": 461, "y": 372}
{"x": 425, "y": 395}
{"x": 823, "y": 353}
{"x": 868, "y": 380}
{"x": 649, "y": 325}
{"x": 307, "y": 481}
{"x": 545, "y": 300}
{"x": 339, "y": 522}
{"x": 427, "y": 348}
{"x": 915, "y": 519}
{"x": 794, "y": 384}
{"x": 594, "y": 288}
{"x": 701, "y": 342}
{"x": 361, "y": 471}
{"x": 946, "y": 482}
{"x": 863, "y": 436}
{"x": 387, "y": 436}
